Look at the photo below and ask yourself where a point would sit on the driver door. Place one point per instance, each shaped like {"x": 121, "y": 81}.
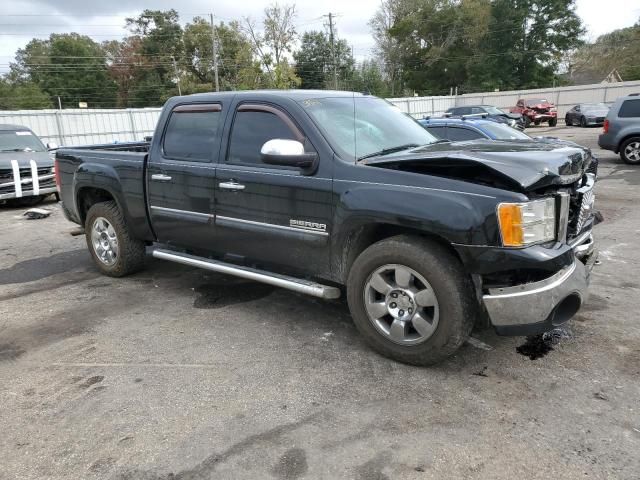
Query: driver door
{"x": 265, "y": 213}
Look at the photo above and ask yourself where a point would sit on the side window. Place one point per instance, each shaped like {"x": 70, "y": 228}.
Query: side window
{"x": 438, "y": 132}
{"x": 463, "y": 111}
{"x": 192, "y": 132}
{"x": 477, "y": 110}
{"x": 630, "y": 108}
{"x": 457, "y": 134}
{"x": 251, "y": 130}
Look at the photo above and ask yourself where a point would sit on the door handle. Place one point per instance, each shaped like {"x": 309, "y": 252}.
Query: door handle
{"x": 232, "y": 185}
{"x": 160, "y": 177}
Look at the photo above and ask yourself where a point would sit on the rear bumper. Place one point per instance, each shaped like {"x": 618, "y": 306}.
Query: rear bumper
{"x": 606, "y": 142}
{"x": 540, "y": 306}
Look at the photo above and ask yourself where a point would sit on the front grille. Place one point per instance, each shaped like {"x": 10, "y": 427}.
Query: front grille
{"x": 581, "y": 202}
{"x": 7, "y": 181}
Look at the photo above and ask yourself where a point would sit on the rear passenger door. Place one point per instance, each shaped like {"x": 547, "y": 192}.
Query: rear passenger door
{"x": 181, "y": 175}
{"x": 265, "y": 213}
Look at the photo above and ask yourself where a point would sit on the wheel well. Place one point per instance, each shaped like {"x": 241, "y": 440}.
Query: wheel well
{"x": 628, "y": 137}
{"x": 365, "y": 236}
{"x": 89, "y": 196}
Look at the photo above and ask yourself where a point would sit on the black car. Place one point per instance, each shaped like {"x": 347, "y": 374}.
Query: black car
{"x": 587, "y": 114}
{"x": 488, "y": 111}
{"x": 334, "y": 193}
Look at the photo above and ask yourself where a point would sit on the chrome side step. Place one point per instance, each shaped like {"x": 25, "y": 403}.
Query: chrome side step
{"x": 283, "y": 281}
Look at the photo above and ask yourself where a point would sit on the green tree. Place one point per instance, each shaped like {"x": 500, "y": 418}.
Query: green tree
{"x": 69, "y": 66}
{"x": 237, "y": 69}
{"x": 160, "y": 37}
{"x": 368, "y": 77}
{"x": 525, "y": 44}
{"x": 315, "y": 64}
{"x": 617, "y": 50}
{"x": 22, "y": 96}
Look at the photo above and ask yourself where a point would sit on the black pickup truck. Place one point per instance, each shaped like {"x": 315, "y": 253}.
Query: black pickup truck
{"x": 331, "y": 192}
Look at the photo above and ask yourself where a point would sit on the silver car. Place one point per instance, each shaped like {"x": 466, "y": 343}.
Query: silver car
{"x": 587, "y": 114}
{"x": 621, "y": 131}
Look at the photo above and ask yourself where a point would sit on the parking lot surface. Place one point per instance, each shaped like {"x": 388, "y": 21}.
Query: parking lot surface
{"x": 177, "y": 373}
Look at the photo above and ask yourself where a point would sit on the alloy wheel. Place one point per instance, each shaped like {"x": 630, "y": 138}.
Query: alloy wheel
{"x": 104, "y": 241}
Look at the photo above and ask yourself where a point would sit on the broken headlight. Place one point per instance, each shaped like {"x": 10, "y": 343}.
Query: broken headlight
{"x": 527, "y": 223}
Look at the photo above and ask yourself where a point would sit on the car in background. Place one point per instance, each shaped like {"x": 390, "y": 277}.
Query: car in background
{"x": 587, "y": 114}
{"x": 488, "y": 111}
{"x": 26, "y": 167}
{"x": 621, "y": 131}
{"x": 466, "y": 129}
{"x": 536, "y": 111}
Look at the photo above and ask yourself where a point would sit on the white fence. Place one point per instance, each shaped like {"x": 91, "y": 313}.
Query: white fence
{"x": 87, "y": 126}
{"x": 563, "y": 97}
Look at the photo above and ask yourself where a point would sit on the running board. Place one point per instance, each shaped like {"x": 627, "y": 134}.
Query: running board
{"x": 290, "y": 283}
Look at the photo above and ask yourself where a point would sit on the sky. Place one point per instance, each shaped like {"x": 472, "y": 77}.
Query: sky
{"x": 21, "y": 20}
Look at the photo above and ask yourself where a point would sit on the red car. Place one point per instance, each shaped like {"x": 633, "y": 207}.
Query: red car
{"x": 536, "y": 111}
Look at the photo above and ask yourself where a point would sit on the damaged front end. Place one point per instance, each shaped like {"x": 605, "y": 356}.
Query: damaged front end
{"x": 527, "y": 288}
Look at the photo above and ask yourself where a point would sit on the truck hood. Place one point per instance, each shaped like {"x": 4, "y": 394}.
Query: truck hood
{"x": 527, "y": 165}
{"x": 42, "y": 159}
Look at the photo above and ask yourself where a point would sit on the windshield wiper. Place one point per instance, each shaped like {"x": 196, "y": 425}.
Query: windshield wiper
{"x": 387, "y": 151}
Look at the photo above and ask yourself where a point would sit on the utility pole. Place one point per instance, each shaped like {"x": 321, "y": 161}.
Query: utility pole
{"x": 215, "y": 53}
{"x": 333, "y": 51}
{"x": 175, "y": 68}
{"x": 59, "y": 103}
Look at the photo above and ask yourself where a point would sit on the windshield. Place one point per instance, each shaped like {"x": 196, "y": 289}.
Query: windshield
{"x": 20, "y": 141}
{"x": 536, "y": 101}
{"x": 493, "y": 110}
{"x": 357, "y": 127}
{"x": 500, "y": 131}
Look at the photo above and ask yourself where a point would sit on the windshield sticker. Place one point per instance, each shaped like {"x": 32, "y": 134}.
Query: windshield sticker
{"x": 23, "y": 133}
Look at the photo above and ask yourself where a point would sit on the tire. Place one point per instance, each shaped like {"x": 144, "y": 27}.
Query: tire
{"x": 553, "y": 122}
{"x": 630, "y": 151}
{"x": 583, "y": 122}
{"x": 527, "y": 122}
{"x": 449, "y": 320}
{"x": 104, "y": 225}
{"x": 567, "y": 121}
{"x": 536, "y": 122}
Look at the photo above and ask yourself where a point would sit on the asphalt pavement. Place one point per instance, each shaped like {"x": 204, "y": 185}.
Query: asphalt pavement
{"x": 177, "y": 373}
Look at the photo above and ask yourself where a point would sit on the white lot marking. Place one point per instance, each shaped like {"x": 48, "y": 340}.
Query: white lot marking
{"x": 34, "y": 177}
{"x": 17, "y": 183}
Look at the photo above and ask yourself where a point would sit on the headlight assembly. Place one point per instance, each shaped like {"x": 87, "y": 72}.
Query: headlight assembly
{"x": 523, "y": 224}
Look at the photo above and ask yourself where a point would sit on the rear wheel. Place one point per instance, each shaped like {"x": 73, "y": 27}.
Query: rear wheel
{"x": 115, "y": 251}
{"x": 583, "y": 122}
{"x": 630, "y": 151}
{"x": 567, "y": 121}
{"x": 527, "y": 122}
{"x": 411, "y": 300}
{"x": 536, "y": 122}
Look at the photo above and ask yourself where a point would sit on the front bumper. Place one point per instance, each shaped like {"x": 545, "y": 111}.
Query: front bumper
{"x": 540, "y": 306}
{"x": 28, "y": 193}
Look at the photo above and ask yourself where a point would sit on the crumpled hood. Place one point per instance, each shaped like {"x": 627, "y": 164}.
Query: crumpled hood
{"x": 531, "y": 165}
{"x": 42, "y": 159}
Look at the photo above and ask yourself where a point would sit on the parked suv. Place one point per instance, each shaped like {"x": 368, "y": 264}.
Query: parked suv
{"x": 536, "y": 110}
{"x": 621, "y": 132}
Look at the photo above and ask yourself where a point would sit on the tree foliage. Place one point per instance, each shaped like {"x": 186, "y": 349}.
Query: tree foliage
{"x": 315, "y": 62}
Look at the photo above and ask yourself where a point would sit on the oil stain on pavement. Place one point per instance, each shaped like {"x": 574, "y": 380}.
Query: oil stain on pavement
{"x": 42, "y": 267}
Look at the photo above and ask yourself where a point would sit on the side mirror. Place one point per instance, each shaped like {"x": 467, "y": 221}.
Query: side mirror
{"x": 289, "y": 153}
{"x": 52, "y": 146}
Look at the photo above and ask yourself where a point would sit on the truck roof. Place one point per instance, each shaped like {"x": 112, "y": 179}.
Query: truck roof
{"x": 295, "y": 95}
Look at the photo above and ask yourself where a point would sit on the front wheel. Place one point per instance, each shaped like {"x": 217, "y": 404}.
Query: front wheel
{"x": 583, "y": 122}
{"x": 411, "y": 300}
{"x": 115, "y": 251}
{"x": 630, "y": 151}
{"x": 553, "y": 122}
{"x": 567, "y": 121}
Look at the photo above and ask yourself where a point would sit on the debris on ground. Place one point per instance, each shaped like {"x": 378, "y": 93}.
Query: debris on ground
{"x": 601, "y": 396}
{"x": 36, "y": 213}
{"x": 479, "y": 344}
{"x": 557, "y": 334}
{"x": 481, "y": 373}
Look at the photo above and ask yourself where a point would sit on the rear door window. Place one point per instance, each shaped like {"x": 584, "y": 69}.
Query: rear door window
{"x": 192, "y": 132}
{"x": 630, "y": 109}
{"x": 438, "y": 132}
{"x": 457, "y": 134}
